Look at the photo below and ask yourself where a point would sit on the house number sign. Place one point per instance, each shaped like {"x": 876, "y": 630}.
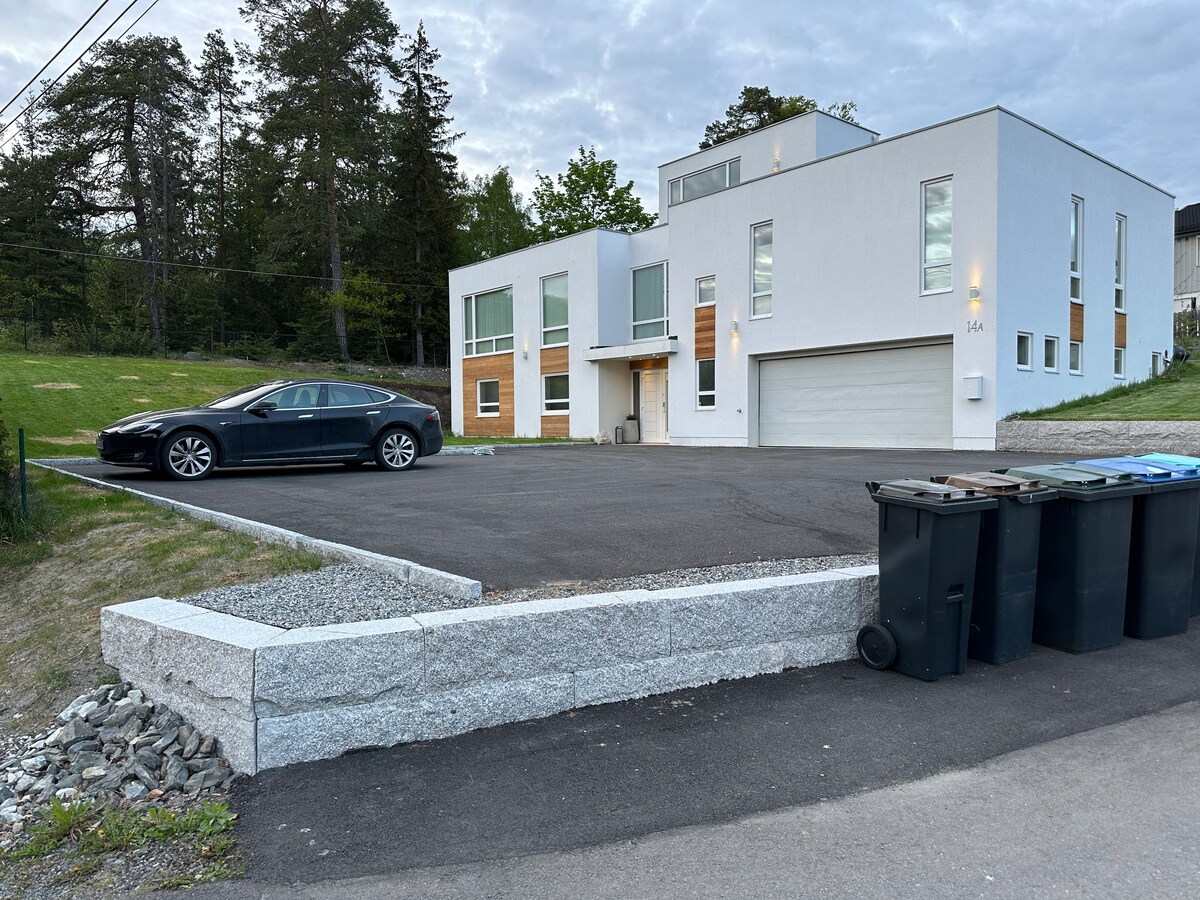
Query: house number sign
{"x": 974, "y": 325}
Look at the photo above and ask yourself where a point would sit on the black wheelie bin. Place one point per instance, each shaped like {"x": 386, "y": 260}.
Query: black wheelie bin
{"x": 1006, "y": 570}
{"x": 1194, "y": 462}
{"x": 1083, "y": 556}
{"x": 928, "y": 539}
{"x": 1162, "y": 548}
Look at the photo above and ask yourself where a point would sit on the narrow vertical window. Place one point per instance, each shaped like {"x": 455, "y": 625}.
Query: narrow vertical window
{"x": 937, "y": 214}
{"x": 706, "y": 383}
{"x": 763, "y": 264}
{"x": 1076, "y": 249}
{"x": 1075, "y": 358}
{"x": 650, "y": 302}
{"x": 1119, "y": 285}
{"x": 1119, "y": 362}
{"x": 1024, "y": 350}
{"x": 1050, "y": 354}
{"x": 488, "y": 393}
{"x": 554, "y": 310}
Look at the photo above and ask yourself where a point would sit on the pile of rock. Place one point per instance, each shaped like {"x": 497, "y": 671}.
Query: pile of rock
{"x": 116, "y": 747}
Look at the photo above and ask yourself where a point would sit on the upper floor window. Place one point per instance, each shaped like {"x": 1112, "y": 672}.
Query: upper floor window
{"x": 488, "y": 322}
{"x": 1024, "y": 350}
{"x": 554, "y": 310}
{"x": 650, "y": 301}
{"x": 763, "y": 263}
{"x": 937, "y": 214}
{"x": 1119, "y": 284}
{"x": 706, "y": 291}
{"x": 706, "y": 181}
{"x": 1077, "y": 249}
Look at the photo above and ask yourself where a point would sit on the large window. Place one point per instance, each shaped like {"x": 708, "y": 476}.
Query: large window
{"x": 556, "y": 394}
{"x": 650, "y": 302}
{"x": 706, "y": 181}
{"x": 554, "y": 310}
{"x": 1119, "y": 275}
{"x": 706, "y": 383}
{"x": 937, "y": 214}
{"x": 488, "y": 394}
{"x": 763, "y": 263}
{"x": 1024, "y": 350}
{"x": 1077, "y": 249}
{"x": 488, "y": 322}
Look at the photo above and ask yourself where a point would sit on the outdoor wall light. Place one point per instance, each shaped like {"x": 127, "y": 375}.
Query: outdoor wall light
{"x": 775, "y": 163}
{"x": 973, "y": 293}
{"x": 733, "y": 326}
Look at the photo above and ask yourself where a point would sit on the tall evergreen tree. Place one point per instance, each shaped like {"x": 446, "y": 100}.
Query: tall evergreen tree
{"x": 424, "y": 179}
{"x": 320, "y": 64}
{"x": 757, "y": 108}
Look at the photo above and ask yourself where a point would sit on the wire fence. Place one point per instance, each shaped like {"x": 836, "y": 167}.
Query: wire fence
{"x": 31, "y": 334}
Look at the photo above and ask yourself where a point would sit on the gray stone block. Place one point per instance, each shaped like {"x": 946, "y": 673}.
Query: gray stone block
{"x": 542, "y": 637}
{"x": 659, "y": 676}
{"x": 324, "y": 734}
{"x": 820, "y": 649}
{"x": 447, "y": 583}
{"x": 768, "y": 610}
{"x": 313, "y": 668}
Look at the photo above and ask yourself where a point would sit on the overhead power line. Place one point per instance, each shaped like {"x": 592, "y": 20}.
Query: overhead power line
{"x": 78, "y": 75}
{"x": 103, "y": 4}
{"x": 179, "y": 265}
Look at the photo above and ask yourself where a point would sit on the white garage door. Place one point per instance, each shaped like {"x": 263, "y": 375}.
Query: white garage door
{"x": 897, "y": 397}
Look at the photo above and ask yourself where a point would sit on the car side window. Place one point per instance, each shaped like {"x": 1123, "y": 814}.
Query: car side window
{"x": 298, "y": 396}
{"x": 348, "y": 395}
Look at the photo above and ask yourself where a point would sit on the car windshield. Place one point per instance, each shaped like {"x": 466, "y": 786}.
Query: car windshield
{"x": 240, "y": 396}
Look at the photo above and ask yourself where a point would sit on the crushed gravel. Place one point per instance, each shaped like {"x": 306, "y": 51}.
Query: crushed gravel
{"x": 350, "y": 593}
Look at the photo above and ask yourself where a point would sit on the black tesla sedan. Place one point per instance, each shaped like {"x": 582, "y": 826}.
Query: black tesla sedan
{"x": 277, "y": 423}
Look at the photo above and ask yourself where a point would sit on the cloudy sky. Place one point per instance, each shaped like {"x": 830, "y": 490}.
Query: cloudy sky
{"x": 639, "y": 79}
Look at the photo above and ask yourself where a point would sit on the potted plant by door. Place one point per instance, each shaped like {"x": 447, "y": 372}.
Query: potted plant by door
{"x": 630, "y": 433}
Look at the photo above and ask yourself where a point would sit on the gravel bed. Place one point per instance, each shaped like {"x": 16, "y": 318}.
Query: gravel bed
{"x": 350, "y": 593}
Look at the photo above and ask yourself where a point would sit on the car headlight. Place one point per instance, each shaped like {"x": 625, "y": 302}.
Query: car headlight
{"x": 139, "y": 427}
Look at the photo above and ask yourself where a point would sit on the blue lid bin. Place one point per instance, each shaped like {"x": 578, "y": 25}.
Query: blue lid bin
{"x": 1193, "y": 461}
{"x": 1163, "y": 544}
{"x": 1006, "y": 567}
{"x": 1083, "y": 556}
{"x": 928, "y": 540}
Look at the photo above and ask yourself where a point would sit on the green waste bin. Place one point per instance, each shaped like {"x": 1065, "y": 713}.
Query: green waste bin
{"x": 1162, "y": 548}
{"x": 1192, "y": 461}
{"x": 928, "y": 540}
{"x": 1006, "y": 569}
{"x": 1083, "y": 557}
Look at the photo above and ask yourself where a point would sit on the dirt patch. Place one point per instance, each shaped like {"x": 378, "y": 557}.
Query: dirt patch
{"x": 180, "y": 374}
{"x": 81, "y": 436}
{"x": 129, "y": 378}
{"x": 142, "y": 400}
{"x": 58, "y": 386}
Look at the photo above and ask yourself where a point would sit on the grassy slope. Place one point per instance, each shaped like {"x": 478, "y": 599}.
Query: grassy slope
{"x": 103, "y": 548}
{"x": 1174, "y": 396}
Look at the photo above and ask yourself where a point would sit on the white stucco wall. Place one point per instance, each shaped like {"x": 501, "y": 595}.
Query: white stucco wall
{"x": 1038, "y": 175}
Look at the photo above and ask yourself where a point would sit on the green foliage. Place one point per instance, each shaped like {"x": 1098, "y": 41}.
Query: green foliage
{"x": 587, "y": 196}
{"x": 495, "y": 219}
{"x": 757, "y": 108}
{"x": 1174, "y": 395}
{"x": 19, "y": 520}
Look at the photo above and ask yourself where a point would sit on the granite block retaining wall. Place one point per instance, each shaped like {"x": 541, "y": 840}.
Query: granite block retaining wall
{"x": 275, "y": 696}
{"x": 1045, "y": 436}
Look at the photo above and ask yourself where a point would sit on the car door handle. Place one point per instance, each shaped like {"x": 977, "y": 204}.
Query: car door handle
{"x": 373, "y": 412}
{"x": 305, "y": 416}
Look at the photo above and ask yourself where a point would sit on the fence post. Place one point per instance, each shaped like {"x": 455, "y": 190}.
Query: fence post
{"x": 21, "y": 456}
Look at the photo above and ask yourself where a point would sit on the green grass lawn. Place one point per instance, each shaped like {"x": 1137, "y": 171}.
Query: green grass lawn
{"x": 1174, "y": 396}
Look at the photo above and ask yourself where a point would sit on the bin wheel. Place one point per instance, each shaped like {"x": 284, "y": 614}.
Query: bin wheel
{"x": 877, "y": 646}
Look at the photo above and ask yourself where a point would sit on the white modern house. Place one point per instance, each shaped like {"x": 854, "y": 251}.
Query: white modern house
{"x": 813, "y": 285}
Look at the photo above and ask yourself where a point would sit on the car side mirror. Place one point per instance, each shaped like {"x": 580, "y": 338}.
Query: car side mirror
{"x": 262, "y": 408}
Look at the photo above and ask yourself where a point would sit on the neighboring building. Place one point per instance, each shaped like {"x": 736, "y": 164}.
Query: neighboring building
{"x": 812, "y": 285}
{"x": 1187, "y": 257}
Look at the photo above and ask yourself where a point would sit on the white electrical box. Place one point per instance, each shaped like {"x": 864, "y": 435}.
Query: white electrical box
{"x": 972, "y": 387}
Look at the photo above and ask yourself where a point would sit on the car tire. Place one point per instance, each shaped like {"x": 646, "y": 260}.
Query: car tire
{"x": 877, "y": 646}
{"x": 396, "y": 450}
{"x": 189, "y": 456}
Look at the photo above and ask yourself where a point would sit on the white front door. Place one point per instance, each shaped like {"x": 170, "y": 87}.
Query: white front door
{"x": 654, "y": 406}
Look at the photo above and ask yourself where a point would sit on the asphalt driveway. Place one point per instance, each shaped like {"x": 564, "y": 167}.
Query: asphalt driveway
{"x": 525, "y": 517}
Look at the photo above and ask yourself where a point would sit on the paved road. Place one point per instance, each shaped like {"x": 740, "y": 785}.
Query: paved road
{"x": 591, "y": 803}
{"x": 527, "y": 517}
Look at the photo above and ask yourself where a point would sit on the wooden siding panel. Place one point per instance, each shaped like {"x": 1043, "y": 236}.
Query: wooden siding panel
{"x": 555, "y": 360}
{"x": 635, "y": 364}
{"x": 706, "y": 332}
{"x": 482, "y": 368}
{"x": 1119, "y": 329}
{"x": 1077, "y": 321}
{"x": 556, "y": 426}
